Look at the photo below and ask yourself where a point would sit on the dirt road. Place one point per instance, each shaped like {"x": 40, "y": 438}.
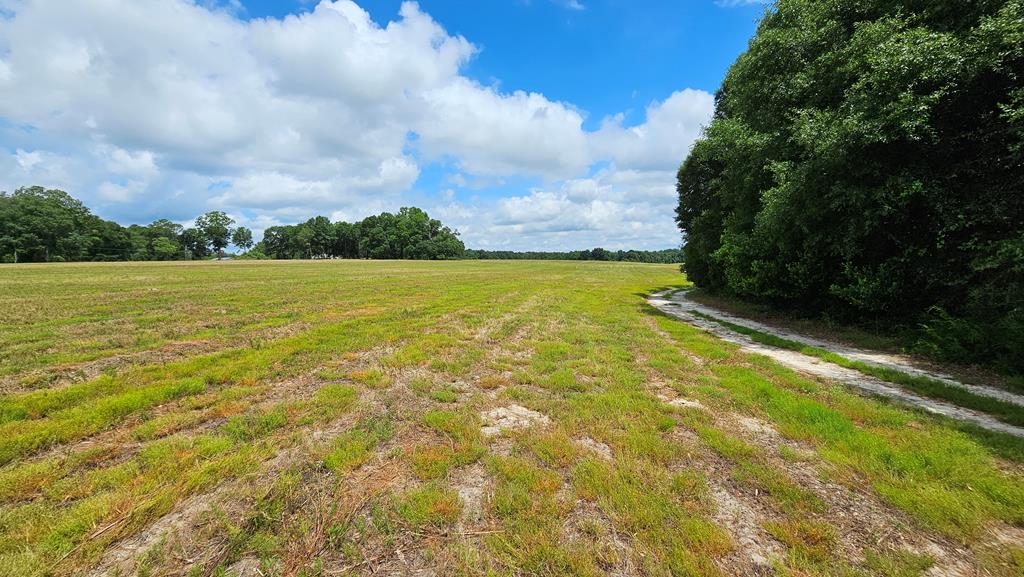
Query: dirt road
{"x": 676, "y": 304}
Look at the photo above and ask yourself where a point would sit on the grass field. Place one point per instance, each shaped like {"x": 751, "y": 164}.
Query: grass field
{"x": 454, "y": 418}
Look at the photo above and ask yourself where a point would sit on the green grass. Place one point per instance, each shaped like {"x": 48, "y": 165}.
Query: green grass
{"x": 331, "y": 414}
{"x": 430, "y": 506}
{"x": 444, "y": 395}
{"x": 355, "y": 446}
{"x": 461, "y": 444}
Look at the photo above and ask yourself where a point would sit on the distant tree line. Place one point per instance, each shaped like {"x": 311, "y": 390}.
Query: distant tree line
{"x": 666, "y": 256}
{"x": 45, "y": 225}
{"x": 866, "y": 161}
{"x": 409, "y": 234}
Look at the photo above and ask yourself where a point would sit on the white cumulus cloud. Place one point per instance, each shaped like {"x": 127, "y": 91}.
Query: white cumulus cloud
{"x": 665, "y": 137}
{"x": 167, "y": 108}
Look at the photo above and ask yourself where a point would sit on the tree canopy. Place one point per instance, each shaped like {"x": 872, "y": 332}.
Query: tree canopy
{"x": 46, "y": 225}
{"x": 866, "y": 159}
{"x": 408, "y": 234}
{"x": 242, "y": 238}
{"x": 37, "y": 224}
{"x": 216, "y": 228}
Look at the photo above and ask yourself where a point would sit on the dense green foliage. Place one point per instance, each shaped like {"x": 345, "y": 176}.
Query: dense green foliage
{"x": 409, "y": 234}
{"x": 866, "y": 160}
{"x": 44, "y": 225}
{"x": 666, "y": 256}
{"x": 41, "y": 225}
{"x": 242, "y": 238}
{"x": 216, "y": 229}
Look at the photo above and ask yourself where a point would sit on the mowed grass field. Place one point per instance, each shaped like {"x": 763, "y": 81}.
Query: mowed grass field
{"x": 338, "y": 417}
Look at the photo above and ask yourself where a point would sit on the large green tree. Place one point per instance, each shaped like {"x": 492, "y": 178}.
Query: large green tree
{"x": 215, "y": 227}
{"x": 866, "y": 158}
{"x": 195, "y": 244}
{"x": 242, "y": 238}
{"x": 42, "y": 225}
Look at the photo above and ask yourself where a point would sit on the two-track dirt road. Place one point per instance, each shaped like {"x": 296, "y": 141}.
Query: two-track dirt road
{"x": 677, "y": 304}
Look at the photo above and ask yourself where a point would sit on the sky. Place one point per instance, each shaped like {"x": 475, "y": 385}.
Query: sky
{"x": 524, "y": 124}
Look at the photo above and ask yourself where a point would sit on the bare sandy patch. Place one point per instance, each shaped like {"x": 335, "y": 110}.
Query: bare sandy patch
{"x": 510, "y": 418}
{"x": 596, "y": 447}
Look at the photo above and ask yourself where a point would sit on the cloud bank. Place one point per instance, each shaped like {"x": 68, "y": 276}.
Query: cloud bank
{"x": 150, "y": 108}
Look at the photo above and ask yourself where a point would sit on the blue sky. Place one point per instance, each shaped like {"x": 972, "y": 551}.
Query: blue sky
{"x": 610, "y": 56}
{"x": 526, "y": 124}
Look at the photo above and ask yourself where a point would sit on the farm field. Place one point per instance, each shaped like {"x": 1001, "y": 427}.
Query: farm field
{"x": 454, "y": 418}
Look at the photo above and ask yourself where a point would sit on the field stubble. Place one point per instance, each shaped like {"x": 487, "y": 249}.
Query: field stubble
{"x": 464, "y": 418}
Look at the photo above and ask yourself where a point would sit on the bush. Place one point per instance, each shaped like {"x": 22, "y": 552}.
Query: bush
{"x": 998, "y": 344}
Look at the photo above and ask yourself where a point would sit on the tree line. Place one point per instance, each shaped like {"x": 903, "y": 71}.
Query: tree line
{"x": 408, "y": 234}
{"x": 866, "y": 161}
{"x": 666, "y": 256}
{"x": 47, "y": 225}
